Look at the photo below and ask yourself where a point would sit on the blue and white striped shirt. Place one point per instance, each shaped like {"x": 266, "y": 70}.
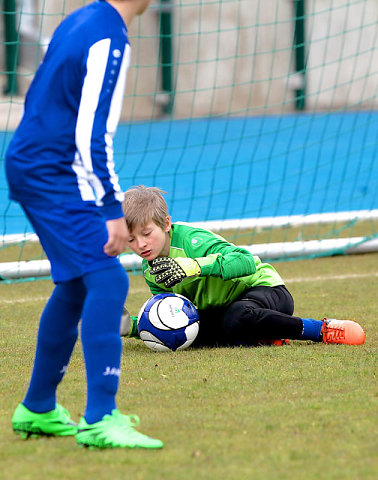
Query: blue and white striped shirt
{"x": 63, "y": 148}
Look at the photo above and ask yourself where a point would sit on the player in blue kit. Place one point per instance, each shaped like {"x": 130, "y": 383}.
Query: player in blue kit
{"x": 60, "y": 168}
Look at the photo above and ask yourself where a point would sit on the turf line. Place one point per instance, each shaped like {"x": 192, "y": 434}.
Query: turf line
{"x": 319, "y": 278}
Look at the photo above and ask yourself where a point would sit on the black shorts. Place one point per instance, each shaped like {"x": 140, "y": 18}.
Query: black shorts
{"x": 259, "y": 313}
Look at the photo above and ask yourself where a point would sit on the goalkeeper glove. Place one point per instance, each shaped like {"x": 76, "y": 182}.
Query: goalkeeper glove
{"x": 129, "y": 325}
{"x": 172, "y": 271}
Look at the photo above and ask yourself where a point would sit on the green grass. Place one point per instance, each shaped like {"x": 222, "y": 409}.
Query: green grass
{"x": 305, "y": 411}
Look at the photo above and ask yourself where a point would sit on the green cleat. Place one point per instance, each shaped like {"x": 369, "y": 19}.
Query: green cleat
{"x": 115, "y": 430}
{"x": 55, "y": 423}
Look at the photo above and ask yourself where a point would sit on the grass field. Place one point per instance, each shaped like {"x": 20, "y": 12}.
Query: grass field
{"x": 305, "y": 411}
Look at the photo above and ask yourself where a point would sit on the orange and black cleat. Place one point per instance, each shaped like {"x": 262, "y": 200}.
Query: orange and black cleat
{"x": 344, "y": 332}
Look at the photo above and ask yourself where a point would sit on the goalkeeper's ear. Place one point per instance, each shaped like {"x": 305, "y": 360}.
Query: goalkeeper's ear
{"x": 168, "y": 224}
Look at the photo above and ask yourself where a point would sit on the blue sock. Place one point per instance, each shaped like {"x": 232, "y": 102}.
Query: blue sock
{"x": 311, "y": 329}
{"x": 57, "y": 335}
{"x": 102, "y": 344}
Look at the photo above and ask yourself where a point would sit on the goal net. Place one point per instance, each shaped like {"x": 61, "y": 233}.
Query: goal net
{"x": 258, "y": 118}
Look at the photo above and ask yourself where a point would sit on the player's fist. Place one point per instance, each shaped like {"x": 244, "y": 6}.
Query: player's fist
{"x": 117, "y": 237}
{"x": 172, "y": 271}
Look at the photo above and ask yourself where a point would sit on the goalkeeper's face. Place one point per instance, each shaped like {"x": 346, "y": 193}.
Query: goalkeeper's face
{"x": 150, "y": 240}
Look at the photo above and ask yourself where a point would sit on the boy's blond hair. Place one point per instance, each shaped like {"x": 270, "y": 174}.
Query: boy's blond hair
{"x": 143, "y": 204}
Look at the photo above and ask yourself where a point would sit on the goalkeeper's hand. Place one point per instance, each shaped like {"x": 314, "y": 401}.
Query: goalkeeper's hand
{"x": 172, "y": 271}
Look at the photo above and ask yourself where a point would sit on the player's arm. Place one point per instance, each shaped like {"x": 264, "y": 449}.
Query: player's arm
{"x": 226, "y": 261}
{"x": 98, "y": 117}
{"x": 231, "y": 262}
{"x": 117, "y": 237}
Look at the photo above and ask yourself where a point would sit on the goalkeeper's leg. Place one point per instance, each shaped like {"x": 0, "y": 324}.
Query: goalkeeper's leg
{"x": 248, "y": 320}
{"x": 266, "y": 312}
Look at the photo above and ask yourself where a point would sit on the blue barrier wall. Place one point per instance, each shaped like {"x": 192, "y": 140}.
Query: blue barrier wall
{"x": 245, "y": 167}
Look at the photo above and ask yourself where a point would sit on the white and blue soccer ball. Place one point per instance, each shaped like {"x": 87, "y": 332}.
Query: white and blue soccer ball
{"x": 168, "y": 322}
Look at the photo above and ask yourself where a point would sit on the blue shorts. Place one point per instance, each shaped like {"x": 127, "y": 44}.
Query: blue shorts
{"x": 73, "y": 237}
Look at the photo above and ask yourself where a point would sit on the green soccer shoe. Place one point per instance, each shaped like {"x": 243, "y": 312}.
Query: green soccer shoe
{"x": 56, "y": 423}
{"x": 115, "y": 430}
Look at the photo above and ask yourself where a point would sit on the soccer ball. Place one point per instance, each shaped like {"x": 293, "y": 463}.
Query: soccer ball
{"x": 168, "y": 321}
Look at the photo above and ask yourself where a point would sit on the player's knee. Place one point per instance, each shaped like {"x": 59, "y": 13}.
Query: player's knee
{"x": 119, "y": 279}
{"x": 240, "y": 320}
{"x": 111, "y": 283}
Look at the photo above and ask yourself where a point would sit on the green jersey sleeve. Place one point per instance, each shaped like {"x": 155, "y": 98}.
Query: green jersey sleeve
{"x": 217, "y": 257}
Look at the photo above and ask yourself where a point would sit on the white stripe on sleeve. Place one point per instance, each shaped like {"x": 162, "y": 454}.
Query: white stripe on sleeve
{"x": 90, "y": 94}
{"x": 113, "y": 119}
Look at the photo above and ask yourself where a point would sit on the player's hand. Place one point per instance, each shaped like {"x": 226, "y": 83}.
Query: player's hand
{"x": 172, "y": 271}
{"x": 117, "y": 237}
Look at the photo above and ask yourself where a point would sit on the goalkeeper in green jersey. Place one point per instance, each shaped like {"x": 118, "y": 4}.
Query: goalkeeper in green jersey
{"x": 240, "y": 299}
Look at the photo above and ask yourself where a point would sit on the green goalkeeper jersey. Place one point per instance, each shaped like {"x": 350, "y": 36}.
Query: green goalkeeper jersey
{"x": 226, "y": 270}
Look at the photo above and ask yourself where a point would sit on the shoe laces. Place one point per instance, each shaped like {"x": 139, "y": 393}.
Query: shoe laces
{"x": 336, "y": 329}
{"x": 336, "y": 325}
